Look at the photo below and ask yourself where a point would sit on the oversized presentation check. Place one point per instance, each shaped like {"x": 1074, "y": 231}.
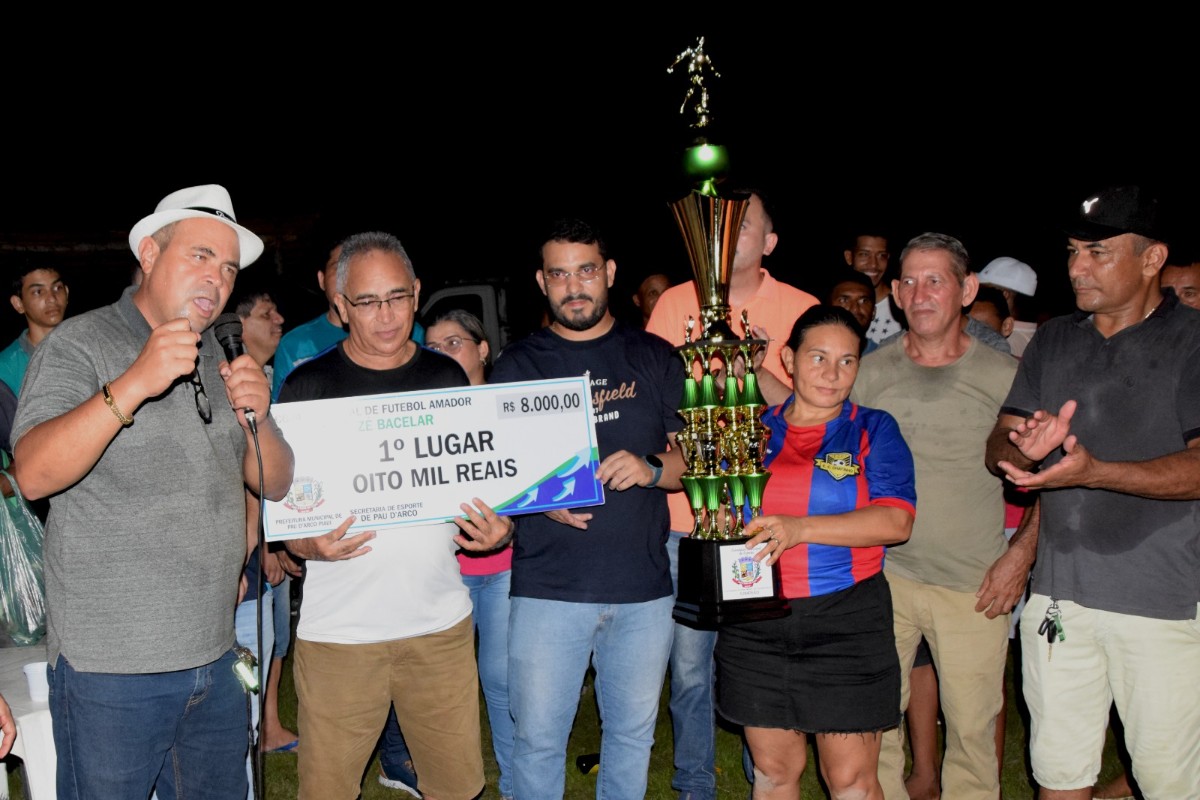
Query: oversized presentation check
{"x": 412, "y": 458}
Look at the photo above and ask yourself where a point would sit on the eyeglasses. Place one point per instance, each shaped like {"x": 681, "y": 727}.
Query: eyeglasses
{"x": 375, "y": 306}
{"x": 586, "y": 274}
{"x": 451, "y": 345}
{"x": 203, "y": 407}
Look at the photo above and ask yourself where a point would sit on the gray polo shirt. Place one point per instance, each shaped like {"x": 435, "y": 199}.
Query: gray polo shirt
{"x": 144, "y": 553}
{"x": 1139, "y": 399}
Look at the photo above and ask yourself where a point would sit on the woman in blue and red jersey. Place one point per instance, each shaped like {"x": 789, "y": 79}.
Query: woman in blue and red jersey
{"x": 842, "y": 488}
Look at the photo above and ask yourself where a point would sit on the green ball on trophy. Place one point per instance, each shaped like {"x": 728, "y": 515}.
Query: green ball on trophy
{"x": 706, "y": 164}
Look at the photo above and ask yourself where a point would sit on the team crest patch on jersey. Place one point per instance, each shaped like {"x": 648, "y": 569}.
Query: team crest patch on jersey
{"x": 839, "y": 465}
{"x": 305, "y": 495}
{"x": 747, "y": 571}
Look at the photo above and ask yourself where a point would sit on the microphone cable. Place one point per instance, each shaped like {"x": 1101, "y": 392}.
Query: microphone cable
{"x": 256, "y": 737}
{"x": 227, "y": 328}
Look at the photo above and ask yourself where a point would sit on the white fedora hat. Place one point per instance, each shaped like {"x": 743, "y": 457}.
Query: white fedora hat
{"x": 209, "y": 200}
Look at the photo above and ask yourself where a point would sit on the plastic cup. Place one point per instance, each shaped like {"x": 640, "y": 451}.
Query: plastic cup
{"x": 39, "y": 686}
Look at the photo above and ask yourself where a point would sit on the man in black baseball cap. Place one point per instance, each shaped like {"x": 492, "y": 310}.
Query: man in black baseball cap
{"x": 1105, "y": 411}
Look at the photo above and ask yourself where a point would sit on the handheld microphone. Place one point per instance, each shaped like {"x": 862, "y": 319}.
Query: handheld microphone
{"x": 228, "y": 330}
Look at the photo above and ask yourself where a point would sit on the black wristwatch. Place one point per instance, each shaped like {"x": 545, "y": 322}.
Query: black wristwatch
{"x": 656, "y": 466}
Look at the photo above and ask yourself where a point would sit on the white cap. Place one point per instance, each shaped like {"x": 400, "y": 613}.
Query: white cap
{"x": 1008, "y": 273}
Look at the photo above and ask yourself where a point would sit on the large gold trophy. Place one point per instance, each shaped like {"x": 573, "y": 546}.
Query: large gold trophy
{"x": 723, "y": 439}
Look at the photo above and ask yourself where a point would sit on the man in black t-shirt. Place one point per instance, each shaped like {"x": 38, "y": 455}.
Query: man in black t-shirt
{"x": 594, "y": 584}
{"x": 389, "y": 622}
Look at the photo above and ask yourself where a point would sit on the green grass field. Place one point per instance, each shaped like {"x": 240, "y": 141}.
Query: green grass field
{"x": 585, "y": 738}
{"x": 281, "y": 783}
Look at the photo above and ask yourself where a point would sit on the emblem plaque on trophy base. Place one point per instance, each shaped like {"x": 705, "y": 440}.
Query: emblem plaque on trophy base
{"x": 719, "y": 582}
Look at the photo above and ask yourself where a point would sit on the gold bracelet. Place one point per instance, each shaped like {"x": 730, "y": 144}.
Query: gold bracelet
{"x": 112, "y": 404}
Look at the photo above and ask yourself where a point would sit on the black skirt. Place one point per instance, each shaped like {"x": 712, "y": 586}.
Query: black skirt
{"x": 828, "y": 667}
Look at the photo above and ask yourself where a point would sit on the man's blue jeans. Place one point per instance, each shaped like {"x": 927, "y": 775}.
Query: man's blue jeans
{"x": 550, "y": 644}
{"x": 393, "y": 750}
{"x": 693, "y": 702}
{"x": 121, "y": 735}
{"x": 282, "y": 618}
{"x": 490, "y": 608}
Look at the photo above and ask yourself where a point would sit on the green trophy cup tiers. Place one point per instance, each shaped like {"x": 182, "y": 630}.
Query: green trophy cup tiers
{"x": 719, "y": 580}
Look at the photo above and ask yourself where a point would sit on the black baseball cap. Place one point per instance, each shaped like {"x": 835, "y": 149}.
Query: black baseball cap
{"x": 1114, "y": 211}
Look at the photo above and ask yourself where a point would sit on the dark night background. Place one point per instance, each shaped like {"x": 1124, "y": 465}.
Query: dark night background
{"x": 465, "y": 143}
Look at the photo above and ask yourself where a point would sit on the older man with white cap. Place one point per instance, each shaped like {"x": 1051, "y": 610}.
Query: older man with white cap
{"x": 1013, "y": 277}
{"x": 122, "y": 425}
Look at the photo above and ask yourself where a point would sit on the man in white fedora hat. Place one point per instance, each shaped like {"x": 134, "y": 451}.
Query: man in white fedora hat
{"x": 123, "y": 424}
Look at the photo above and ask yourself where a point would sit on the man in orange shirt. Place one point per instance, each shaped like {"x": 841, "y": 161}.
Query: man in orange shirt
{"x": 771, "y": 307}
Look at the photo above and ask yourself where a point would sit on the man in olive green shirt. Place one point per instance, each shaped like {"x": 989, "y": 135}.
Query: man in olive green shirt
{"x": 945, "y": 389}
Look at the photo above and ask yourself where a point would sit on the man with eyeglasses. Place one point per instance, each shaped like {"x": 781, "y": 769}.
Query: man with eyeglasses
{"x": 594, "y": 584}
{"x": 315, "y": 337}
{"x": 134, "y": 425}
{"x": 386, "y": 621}
{"x": 301, "y": 344}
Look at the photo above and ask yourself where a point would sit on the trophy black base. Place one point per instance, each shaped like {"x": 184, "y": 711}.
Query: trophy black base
{"x": 720, "y": 584}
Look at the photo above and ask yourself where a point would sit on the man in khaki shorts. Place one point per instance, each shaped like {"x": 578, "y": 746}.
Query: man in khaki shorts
{"x": 387, "y": 622}
{"x": 1105, "y": 412}
{"x": 945, "y": 388}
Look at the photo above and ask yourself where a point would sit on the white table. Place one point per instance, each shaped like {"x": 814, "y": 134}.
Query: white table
{"x": 35, "y": 737}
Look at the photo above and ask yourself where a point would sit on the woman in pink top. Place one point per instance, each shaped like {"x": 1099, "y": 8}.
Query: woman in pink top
{"x": 459, "y": 334}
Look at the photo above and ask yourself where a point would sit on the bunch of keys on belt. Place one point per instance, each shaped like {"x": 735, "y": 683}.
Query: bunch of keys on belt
{"x": 1052, "y": 628}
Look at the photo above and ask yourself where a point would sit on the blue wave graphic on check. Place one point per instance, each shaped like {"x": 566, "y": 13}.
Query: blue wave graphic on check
{"x": 567, "y": 485}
